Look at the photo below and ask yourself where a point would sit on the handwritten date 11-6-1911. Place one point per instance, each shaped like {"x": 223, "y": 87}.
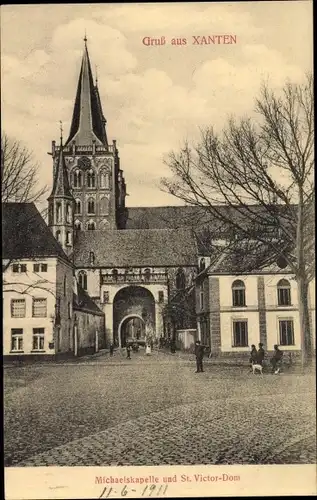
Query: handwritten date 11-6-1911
{"x": 147, "y": 491}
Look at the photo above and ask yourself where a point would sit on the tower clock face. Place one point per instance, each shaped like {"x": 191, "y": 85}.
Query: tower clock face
{"x": 84, "y": 163}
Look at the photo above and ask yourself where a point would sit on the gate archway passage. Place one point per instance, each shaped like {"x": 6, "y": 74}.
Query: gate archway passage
{"x": 133, "y": 314}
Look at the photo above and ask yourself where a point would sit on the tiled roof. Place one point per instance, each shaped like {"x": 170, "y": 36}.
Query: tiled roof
{"x": 82, "y": 301}
{"x": 246, "y": 258}
{"x": 207, "y": 226}
{"x": 143, "y": 247}
{"x": 25, "y": 233}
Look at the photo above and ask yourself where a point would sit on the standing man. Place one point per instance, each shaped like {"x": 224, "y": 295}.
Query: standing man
{"x": 199, "y": 353}
{"x": 111, "y": 349}
{"x": 128, "y": 351}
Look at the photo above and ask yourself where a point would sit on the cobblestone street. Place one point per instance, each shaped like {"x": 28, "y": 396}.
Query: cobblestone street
{"x": 155, "y": 410}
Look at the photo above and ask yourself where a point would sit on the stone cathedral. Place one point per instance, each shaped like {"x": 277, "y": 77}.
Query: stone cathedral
{"x": 132, "y": 261}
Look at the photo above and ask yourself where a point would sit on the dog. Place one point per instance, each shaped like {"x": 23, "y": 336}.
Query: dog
{"x": 256, "y": 367}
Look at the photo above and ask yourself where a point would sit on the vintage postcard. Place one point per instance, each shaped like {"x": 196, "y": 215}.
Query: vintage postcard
{"x": 158, "y": 214}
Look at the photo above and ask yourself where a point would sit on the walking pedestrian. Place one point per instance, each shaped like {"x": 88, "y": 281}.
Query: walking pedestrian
{"x": 148, "y": 350}
{"x": 128, "y": 351}
{"x": 199, "y": 353}
{"x": 276, "y": 359}
{"x": 261, "y": 354}
{"x": 111, "y": 349}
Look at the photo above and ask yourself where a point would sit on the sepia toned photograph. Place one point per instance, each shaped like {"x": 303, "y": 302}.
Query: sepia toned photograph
{"x": 158, "y": 247}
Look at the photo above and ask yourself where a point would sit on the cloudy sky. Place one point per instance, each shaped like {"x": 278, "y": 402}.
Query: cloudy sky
{"x": 153, "y": 97}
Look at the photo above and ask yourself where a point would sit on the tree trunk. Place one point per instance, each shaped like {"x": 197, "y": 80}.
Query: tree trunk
{"x": 305, "y": 334}
{"x": 302, "y": 287}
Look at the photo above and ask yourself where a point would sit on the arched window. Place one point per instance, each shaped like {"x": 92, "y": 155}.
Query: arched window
{"x": 58, "y": 236}
{"x": 114, "y": 273}
{"x": 91, "y": 179}
{"x": 68, "y": 238}
{"x": 284, "y": 293}
{"x": 91, "y": 258}
{"x": 91, "y": 206}
{"x": 104, "y": 205}
{"x": 68, "y": 213}
{"x": 82, "y": 279}
{"x": 58, "y": 212}
{"x": 91, "y": 225}
{"x": 77, "y": 225}
{"x": 202, "y": 264}
{"x": 104, "y": 179}
{"x": 238, "y": 293}
{"x": 180, "y": 279}
{"x": 77, "y": 207}
{"x": 77, "y": 178}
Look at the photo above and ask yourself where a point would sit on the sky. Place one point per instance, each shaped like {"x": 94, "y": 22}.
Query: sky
{"x": 153, "y": 97}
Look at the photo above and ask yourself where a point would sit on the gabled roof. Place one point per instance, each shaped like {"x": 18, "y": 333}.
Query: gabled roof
{"x": 87, "y": 123}
{"x": 143, "y": 247}
{"x": 25, "y": 233}
{"x": 82, "y": 301}
{"x": 61, "y": 185}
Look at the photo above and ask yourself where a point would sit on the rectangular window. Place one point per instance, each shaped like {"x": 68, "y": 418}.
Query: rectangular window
{"x": 38, "y": 339}
{"x": 105, "y": 297}
{"x": 39, "y": 309}
{"x": 40, "y": 268}
{"x": 15, "y": 268}
{"x": 286, "y": 328}
{"x": 238, "y": 298}
{"x": 284, "y": 296}
{"x": 161, "y": 296}
{"x": 240, "y": 333}
{"x": 18, "y": 308}
{"x": 17, "y": 339}
{"x": 23, "y": 268}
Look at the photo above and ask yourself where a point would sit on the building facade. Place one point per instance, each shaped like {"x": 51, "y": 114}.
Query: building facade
{"x": 41, "y": 311}
{"x": 235, "y": 311}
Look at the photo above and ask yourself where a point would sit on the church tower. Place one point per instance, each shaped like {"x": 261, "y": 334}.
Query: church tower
{"x": 93, "y": 165}
{"x": 61, "y": 205}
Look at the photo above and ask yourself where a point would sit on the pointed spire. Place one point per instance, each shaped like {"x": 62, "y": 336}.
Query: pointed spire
{"x": 61, "y": 187}
{"x": 87, "y": 122}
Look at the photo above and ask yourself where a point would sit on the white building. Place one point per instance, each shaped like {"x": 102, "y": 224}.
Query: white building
{"x": 38, "y": 295}
{"x": 236, "y": 310}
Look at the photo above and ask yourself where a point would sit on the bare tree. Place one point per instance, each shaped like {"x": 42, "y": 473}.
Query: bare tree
{"x": 19, "y": 173}
{"x": 256, "y": 179}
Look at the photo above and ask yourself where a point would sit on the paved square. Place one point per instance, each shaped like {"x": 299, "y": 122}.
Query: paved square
{"x": 155, "y": 410}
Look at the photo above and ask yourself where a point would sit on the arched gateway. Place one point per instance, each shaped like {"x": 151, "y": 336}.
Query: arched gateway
{"x": 133, "y": 314}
